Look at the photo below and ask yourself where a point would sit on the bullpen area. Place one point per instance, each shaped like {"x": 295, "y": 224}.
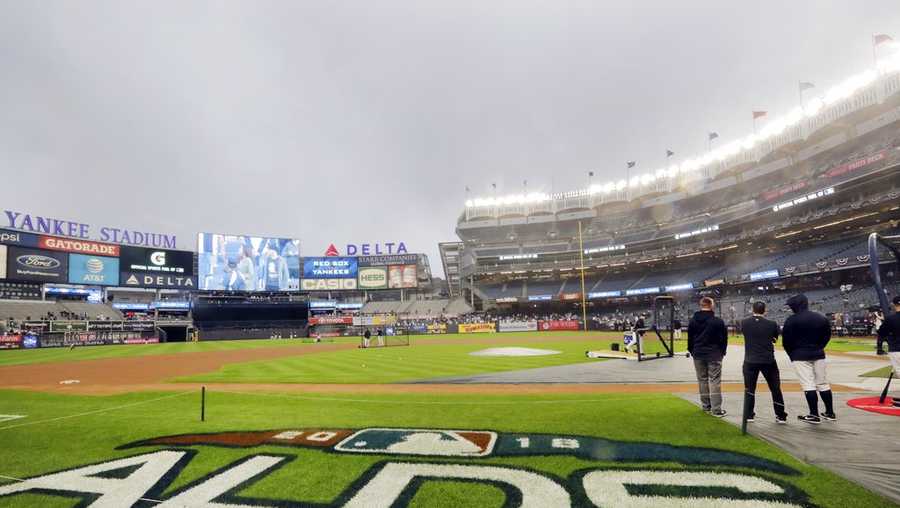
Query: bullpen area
{"x": 513, "y": 419}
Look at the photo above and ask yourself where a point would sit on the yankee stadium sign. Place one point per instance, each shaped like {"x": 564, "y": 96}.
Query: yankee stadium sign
{"x": 59, "y": 227}
{"x": 695, "y": 477}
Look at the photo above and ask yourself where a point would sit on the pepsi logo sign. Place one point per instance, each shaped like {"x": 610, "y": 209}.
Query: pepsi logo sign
{"x": 37, "y": 261}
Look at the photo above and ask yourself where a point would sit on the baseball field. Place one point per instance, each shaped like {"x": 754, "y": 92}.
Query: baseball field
{"x": 283, "y": 423}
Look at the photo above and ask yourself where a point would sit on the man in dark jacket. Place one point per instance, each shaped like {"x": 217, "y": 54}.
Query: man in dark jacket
{"x": 890, "y": 329}
{"x": 805, "y": 336}
{"x": 707, "y": 342}
{"x": 760, "y": 335}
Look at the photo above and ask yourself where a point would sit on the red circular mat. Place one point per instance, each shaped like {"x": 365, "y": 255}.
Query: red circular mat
{"x": 871, "y": 404}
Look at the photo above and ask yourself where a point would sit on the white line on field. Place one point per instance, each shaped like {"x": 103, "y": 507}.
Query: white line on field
{"x": 4, "y": 477}
{"x": 103, "y": 410}
{"x": 448, "y": 403}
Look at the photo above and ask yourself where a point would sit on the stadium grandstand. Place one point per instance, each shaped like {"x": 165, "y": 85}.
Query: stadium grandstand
{"x": 787, "y": 209}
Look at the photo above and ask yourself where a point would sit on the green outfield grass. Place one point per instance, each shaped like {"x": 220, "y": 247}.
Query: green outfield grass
{"x": 424, "y": 359}
{"x": 50, "y": 438}
{"x": 883, "y": 372}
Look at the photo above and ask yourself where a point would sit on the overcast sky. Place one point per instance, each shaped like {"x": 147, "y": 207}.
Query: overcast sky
{"x": 364, "y": 121}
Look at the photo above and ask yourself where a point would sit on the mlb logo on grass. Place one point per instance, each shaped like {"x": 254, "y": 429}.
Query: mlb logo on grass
{"x": 447, "y": 443}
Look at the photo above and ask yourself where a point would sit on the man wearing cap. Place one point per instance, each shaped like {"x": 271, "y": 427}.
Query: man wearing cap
{"x": 890, "y": 329}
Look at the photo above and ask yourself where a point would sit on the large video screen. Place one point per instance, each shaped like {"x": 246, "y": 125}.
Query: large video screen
{"x": 248, "y": 263}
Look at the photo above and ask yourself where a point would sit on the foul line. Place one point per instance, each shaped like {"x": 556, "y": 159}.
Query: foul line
{"x": 634, "y": 397}
{"x": 86, "y": 413}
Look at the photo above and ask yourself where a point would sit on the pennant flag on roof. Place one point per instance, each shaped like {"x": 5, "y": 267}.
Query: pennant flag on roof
{"x": 881, "y": 38}
{"x": 630, "y": 164}
{"x": 669, "y": 153}
{"x": 806, "y": 85}
{"x": 759, "y": 114}
{"x": 332, "y": 251}
{"x": 713, "y": 135}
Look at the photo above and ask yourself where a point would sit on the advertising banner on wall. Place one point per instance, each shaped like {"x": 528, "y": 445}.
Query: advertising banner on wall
{"x": 329, "y": 273}
{"x": 518, "y": 326}
{"x": 2, "y": 262}
{"x": 477, "y": 327}
{"x": 156, "y": 268}
{"x": 331, "y": 320}
{"x": 18, "y": 238}
{"x": 248, "y": 263}
{"x": 376, "y": 320}
{"x": 553, "y": 325}
{"x": 402, "y": 276}
{"x": 93, "y": 270}
{"x": 78, "y": 246}
{"x": 436, "y": 328}
{"x": 373, "y": 277}
{"x": 395, "y": 259}
{"x": 36, "y": 265}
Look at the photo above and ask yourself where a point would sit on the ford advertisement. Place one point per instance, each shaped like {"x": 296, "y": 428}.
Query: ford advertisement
{"x": 36, "y": 265}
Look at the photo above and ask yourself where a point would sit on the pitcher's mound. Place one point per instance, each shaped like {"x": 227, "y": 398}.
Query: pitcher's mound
{"x": 514, "y": 351}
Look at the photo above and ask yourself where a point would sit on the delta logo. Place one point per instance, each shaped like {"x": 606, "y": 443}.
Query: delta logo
{"x": 369, "y": 249}
{"x": 407, "y": 459}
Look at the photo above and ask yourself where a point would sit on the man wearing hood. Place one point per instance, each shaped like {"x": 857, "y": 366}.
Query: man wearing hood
{"x": 707, "y": 343}
{"x": 804, "y": 336}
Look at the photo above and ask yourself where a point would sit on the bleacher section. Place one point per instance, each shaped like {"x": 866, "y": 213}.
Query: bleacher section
{"x": 21, "y": 310}
{"x": 418, "y": 308}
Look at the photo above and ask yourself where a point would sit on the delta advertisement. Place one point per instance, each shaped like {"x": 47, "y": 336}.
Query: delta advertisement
{"x": 478, "y": 327}
{"x": 36, "y": 265}
{"x": 248, "y": 263}
{"x": 93, "y": 270}
{"x": 329, "y": 274}
{"x": 518, "y": 326}
{"x": 155, "y": 268}
{"x": 553, "y": 325}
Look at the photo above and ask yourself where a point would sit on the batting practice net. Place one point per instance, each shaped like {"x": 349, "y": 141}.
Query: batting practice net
{"x": 884, "y": 265}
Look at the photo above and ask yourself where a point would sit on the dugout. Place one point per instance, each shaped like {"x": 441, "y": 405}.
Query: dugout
{"x": 224, "y": 318}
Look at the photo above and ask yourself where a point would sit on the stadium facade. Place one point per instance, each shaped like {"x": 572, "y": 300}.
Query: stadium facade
{"x": 783, "y": 210}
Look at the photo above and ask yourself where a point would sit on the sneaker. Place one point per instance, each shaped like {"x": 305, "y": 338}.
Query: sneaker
{"x": 896, "y": 403}
{"x": 781, "y": 420}
{"x": 831, "y": 417}
{"x": 881, "y": 352}
{"x": 720, "y": 413}
{"x": 707, "y": 410}
{"x": 751, "y": 418}
{"x": 813, "y": 419}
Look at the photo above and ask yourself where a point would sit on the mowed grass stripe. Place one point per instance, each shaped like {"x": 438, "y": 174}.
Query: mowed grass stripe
{"x": 417, "y": 362}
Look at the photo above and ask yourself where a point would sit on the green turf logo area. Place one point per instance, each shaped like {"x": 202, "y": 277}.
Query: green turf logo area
{"x": 408, "y": 458}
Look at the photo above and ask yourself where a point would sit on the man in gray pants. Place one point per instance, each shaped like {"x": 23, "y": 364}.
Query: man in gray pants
{"x": 707, "y": 343}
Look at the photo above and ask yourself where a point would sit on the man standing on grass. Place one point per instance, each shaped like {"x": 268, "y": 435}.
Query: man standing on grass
{"x": 805, "y": 336}
{"x": 707, "y": 343}
{"x": 760, "y": 335}
{"x": 890, "y": 329}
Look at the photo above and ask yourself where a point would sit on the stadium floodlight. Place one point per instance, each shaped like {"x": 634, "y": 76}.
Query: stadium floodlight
{"x": 814, "y": 106}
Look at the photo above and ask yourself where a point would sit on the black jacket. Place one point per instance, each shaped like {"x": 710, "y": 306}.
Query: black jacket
{"x": 760, "y": 335}
{"x": 707, "y": 336}
{"x": 890, "y": 329}
{"x": 806, "y": 333}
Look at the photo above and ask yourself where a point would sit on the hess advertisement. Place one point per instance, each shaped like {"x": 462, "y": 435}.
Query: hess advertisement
{"x": 248, "y": 263}
{"x": 93, "y": 270}
{"x": 36, "y": 265}
{"x": 373, "y": 277}
{"x": 329, "y": 274}
{"x": 156, "y": 268}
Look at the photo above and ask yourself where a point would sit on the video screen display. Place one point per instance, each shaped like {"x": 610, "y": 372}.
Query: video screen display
{"x": 248, "y": 263}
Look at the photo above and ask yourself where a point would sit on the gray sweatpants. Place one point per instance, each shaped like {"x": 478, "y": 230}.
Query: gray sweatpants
{"x": 709, "y": 380}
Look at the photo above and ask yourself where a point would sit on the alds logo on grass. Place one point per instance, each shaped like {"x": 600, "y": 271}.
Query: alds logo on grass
{"x": 709, "y": 477}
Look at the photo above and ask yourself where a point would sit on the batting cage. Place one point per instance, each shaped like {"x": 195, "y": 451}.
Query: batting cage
{"x": 658, "y": 340}
{"x": 884, "y": 265}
